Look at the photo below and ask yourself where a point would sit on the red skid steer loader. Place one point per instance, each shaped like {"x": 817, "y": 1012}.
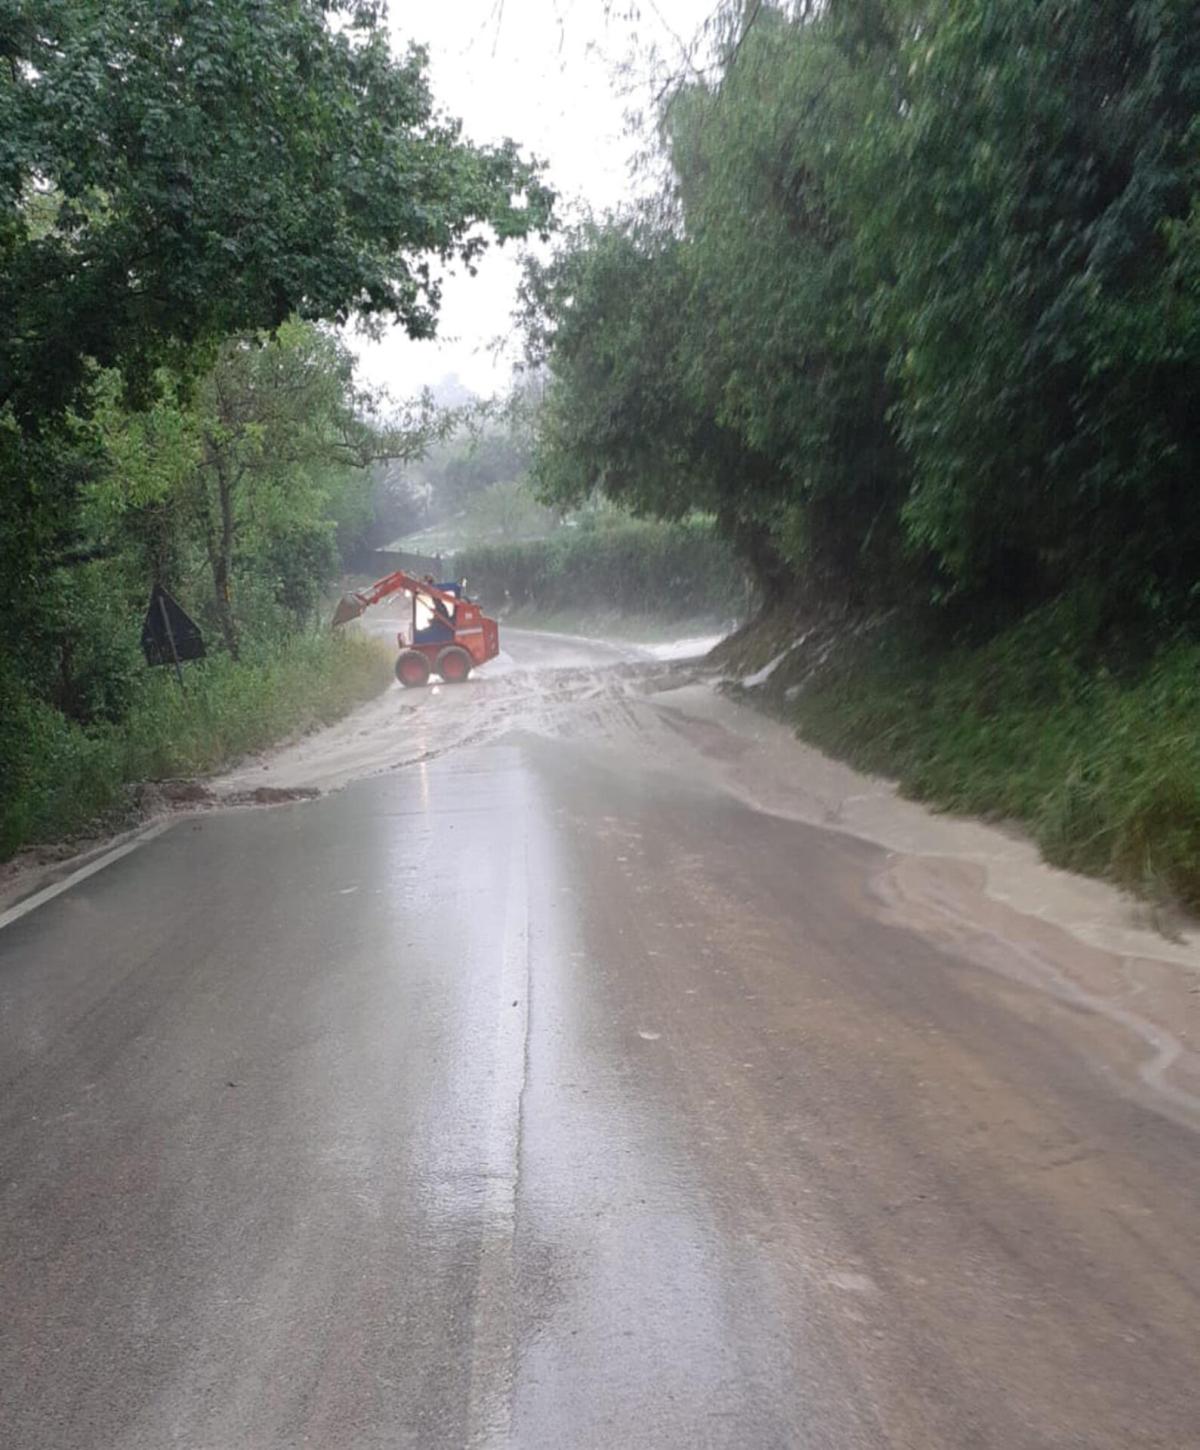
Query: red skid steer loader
{"x": 448, "y": 634}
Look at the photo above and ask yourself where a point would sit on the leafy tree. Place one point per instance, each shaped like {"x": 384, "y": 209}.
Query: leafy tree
{"x": 779, "y": 332}
{"x": 211, "y": 169}
{"x": 610, "y": 315}
{"x": 506, "y": 511}
{"x": 698, "y": 362}
{"x": 917, "y": 311}
{"x": 253, "y": 466}
{"x": 1028, "y": 217}
{"x": 482, "y": 447}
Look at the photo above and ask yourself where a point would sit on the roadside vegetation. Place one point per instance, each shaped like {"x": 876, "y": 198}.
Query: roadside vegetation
{"x": 1092, "y": 747}
{"x": 63, "y": 777}
{"x": 191, "y": 197}
{"x": 943, "y": 390}
{"x": 1102, "y": 766}
{"x": 589, "y": 566}
{"x": 612, "y": 571}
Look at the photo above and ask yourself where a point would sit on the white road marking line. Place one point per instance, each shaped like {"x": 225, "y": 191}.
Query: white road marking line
{"x": 489, "y": 1396}
{"x": 48, "y": 893}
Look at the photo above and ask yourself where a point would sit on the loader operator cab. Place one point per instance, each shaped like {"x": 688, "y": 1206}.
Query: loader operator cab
{"x": 433, "y": 618}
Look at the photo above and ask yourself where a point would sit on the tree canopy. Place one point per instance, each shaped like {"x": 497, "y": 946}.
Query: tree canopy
{"x": 916, "y": 311}
{"x": 175, "y": 171}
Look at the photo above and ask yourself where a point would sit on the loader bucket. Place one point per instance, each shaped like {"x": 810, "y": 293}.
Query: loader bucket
{"x": 350, "y": 606}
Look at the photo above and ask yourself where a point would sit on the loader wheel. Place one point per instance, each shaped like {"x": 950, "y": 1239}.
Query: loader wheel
{"x": 412, "y": 668}
{"x": 454, "y": 664}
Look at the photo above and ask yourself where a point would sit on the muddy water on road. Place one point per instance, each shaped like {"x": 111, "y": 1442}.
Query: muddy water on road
{"x": 982, "y": 890}
{"x": 590, "y": 1066}
{"x": 538, "y": 683}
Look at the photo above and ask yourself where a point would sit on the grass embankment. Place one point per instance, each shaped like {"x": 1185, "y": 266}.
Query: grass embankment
{"x": 614, "y": 579}
{"x": 60, "y": 777}
{"x": 1096, "y": 753}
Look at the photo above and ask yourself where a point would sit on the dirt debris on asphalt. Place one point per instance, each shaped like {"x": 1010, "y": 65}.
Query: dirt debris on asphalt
{"x": 665, "y": 706}
{"x": 610, "y": 1070}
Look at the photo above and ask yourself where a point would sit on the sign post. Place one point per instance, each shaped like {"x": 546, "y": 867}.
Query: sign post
{"x": 166, "y": 623}
{"x": 169, "y": 634}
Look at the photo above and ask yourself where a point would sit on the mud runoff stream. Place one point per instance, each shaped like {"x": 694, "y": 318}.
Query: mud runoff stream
{"x": 659, "y": 708}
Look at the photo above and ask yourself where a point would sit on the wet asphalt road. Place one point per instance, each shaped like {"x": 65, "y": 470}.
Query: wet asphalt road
{"x": 535, "y": 1095}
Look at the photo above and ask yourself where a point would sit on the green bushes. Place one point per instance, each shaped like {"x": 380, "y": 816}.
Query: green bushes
{"x": 60, "y": 776}
{"x": 1102, "y": 766}
{"x": 669, "y": 571}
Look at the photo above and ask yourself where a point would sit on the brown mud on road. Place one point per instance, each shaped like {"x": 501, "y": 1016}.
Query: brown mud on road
{"x": 548, "y": 684}
{"x": 982, "y": 889}
{"x": 599, "y": 1068}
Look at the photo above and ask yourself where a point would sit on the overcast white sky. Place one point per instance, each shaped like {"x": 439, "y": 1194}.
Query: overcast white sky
{"x": 542, "y": 72}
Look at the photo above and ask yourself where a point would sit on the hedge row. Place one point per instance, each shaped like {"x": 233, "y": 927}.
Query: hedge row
{"x": 672, "y": 570}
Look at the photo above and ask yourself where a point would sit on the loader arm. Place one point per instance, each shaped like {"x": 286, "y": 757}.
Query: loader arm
{"x": 351, "y": 605}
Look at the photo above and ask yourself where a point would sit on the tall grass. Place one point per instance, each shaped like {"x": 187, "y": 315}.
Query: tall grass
{"x": 59, "y": 777}
{"x": 1100, "y": 762}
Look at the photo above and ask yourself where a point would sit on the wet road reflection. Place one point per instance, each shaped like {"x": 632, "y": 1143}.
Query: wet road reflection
{"x": 544, "y": 1094}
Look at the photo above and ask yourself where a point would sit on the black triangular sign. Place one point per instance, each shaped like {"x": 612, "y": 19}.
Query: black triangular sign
{"x": 165, "y": 620}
